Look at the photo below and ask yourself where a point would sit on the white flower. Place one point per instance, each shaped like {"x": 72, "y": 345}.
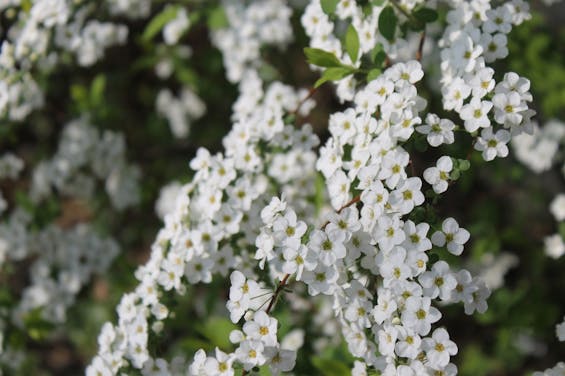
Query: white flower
{"x": 408, "y": 344}
{"x": 438, "y": 176}
{"x": 293, "y": 340}
{"x": 419, "y": 315}
{"x": 508, "y": 108}
{"x": 386, "y": 306}
{"x": 280, "y": 360}
{"x": 270, "y": 211}
{"x": 346, "y": 222}
{"x": 482, "y": 82}
{"x": 241, "y": 292}
{"x": 287, "y": 230}
{"x": 455, "y": 93}
{"x": 221, "y": 365}
{"x": 451, "y": 236}
{"x": 262, "y": 328}
{"x": 438, "y": 282}
{"x": 438, "y": 131}
{"x": 494, "y": 47}
{"x": 388, "y": 232}
{"x": 338, "y": 187}
{"x": 250, "y": 353}
{"x": 296, "y": 260}
{"x": 394, "y": 268}
{"x": 439, "y": 348}
{"x": 554, "y": 246}
{"x": 557, "y": 207}
{"x": 416, "y": 239}
{"x": 321, "y": 280}
{"x": 175, "y": 28}
{"x": 342, "y": 125}
{"x": 387, "y": 340}
{"x": 329, "y": 247}
{"x": 560, "y": 331}
{"x": 475, "y": 114}
{"x": 330, "y": 158}
{"x": 463, "y": 53}
{"x": 405, "y": 73}
{"x": 407, "y": 195}
{"x": 359, "y": 369}
{"x": 393, "y": 167}
{"x": 463, "y": 291}
{"x": 493, "y": 145}
{"x": 480, "y": 296}
{"x": 498, "y": 19}
{"x": 99, "y": 367}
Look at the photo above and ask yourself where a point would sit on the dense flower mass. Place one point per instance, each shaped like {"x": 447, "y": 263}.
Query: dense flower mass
{"x": 346, "y": 226}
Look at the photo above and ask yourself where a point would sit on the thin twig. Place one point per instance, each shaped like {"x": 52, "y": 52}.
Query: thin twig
{"x": 275, "y": 296}
{"x": 420, "y": 51}
{"x": 310, "y": 94}
{"x": 354, "y": 200}
{"x": 402, "y": 10}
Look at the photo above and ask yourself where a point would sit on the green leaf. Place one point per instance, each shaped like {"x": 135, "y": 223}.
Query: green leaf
{"x": 217, "y": 19}
{"x": 158, "y": 22}
{"x": 79, "y": 94}
{"x": 186, "y": 76}
{"x": 217, "y": 330}
{"x": 464, "y": 164}
{"x": 97, "y": 89}
{"x": 352, "y": 43}
{"x": 426, "y": 15}
{"x": 37, "y": 327}
{"x": 387, "y": 23}
{"x": 330, "y": 367}
{"x": 26, "y": 5}
{"x": 321, "y": 58}
{"x": 373, "y": 73}
{"x": 24, "y": 201}
{"x": 378, "y": 55}
{"x": 328, "y": 6}
{"x": 414, "y": 25}
{"x": 378, "y": 2}
{"x": 334, "y": 74}
{"x": 561, "y": 229}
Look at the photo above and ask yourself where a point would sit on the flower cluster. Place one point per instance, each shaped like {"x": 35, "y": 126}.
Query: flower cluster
{"x": 63, "y": 262}
{"x": 211, "y": 213}
{"x": 180, "y": 112}
{"x": 38, "y": 37}
{"x": 379, "y": 256}
{"x": 84, "y": 156}
{"x": 382, "y": 243}
{"x": 540, "y": 152}
{"x": 46, "y": 242}
{"x": 476, "y": 35}
{"x": 251, "y": 27}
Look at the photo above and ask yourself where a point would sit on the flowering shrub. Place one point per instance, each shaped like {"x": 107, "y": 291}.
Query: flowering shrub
{"x": 325, "y": 236}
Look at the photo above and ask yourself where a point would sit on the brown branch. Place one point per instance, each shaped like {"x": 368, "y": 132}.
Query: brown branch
{"x": 354, "y": 200}
{"x": 275, "y": 296}
{"x": 311, "y": 92}
{"x": 420, "y": 51}
{"x": 282, "y": 284}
